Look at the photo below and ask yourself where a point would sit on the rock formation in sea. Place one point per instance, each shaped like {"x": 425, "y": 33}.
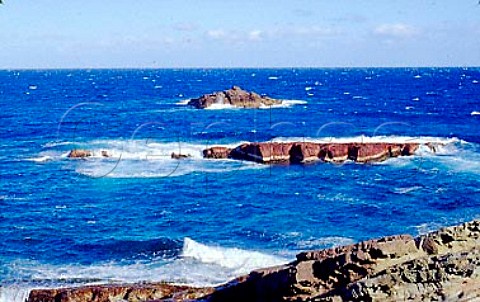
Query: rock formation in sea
{"x": 235, "y": 97}
{"x": 79, "y": 153}
{"x": 304, "y": 152}
{"x": 439, "y": 266}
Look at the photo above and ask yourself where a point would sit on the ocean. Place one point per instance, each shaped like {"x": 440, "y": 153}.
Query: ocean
{"x": 142, "y": 216}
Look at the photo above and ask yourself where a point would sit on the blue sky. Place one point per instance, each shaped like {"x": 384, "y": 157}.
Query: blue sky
{"x": 214, "y": 33}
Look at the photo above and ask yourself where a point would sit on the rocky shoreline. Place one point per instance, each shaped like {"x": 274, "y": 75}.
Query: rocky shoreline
{"x": 440, "y": 266}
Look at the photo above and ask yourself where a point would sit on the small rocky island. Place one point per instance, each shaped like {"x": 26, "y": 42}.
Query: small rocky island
{"x": 305, "y": 152}
{"x": 234, "y": 97}
{"x": 440, "y": 266}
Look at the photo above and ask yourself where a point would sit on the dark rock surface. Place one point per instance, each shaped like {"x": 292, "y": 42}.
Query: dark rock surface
{"x": 236, "y": 97}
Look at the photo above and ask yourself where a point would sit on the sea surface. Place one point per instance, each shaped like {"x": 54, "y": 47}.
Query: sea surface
{"x": 142, "y": 216}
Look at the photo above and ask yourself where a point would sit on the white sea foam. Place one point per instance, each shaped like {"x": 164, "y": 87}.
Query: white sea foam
{"x": 221, "y": 107}
{"x": 475, "y": 113}
{"x": 371, "y": 139}
{"x": 285, "y": 104}
{"x": 40, "y": 159}
{"x": 406, "y": 190}
{"x": 273, "y": 78}
{"x": 198, "y": 265}
{"x": 239, "y": 260}
{"x": 14, "y": 293}
{"x": 183, "y": 102}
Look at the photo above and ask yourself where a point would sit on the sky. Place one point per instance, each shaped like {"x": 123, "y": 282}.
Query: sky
{"x": 232, "y": 33}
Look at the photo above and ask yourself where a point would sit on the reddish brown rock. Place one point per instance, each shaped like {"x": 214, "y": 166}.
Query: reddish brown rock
{"x": 216, "y": 152}
{"x": 304, "y": 152}
{"x": 236, "y": 97}
{"x": 409, "y": 149}
{"x": 79, "y": 153}
{"x": 263, "y": 152}
{"x": 115, "y": 292}
{"x": 334, "y": 152}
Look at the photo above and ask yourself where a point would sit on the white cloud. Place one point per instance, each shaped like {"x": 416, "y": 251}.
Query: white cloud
{"x": 255, "y": 35}
{"x": 217, "y": 34}
{"x": 396, "y": 30}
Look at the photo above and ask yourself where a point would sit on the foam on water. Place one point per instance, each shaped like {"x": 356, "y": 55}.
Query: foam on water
{"x": 183, "y": 102}
{"x": 475, "y": 113}
{"x": 198, "y": 265}
{"x": 14, "y": 293}
{"x": 239, "y": 260}
{"x": 372, "y": 139}
{"x": 284, "y": 104}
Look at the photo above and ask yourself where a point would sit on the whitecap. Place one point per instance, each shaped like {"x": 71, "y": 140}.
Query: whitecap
{"x": 183, "y": 102}
{"x": 232, "y": 258}
{"x": 33, "y": 87}
{"x": 406, "y": 190}
{"x": 475, "y": 113}
{"x": 40, "y": 159}
{"x": 273, "y": 78}
{"x": 308, "y": 88}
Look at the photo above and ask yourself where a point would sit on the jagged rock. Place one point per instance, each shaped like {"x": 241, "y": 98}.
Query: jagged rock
{"x": 216, "y": 152}
{"x": 263, "y": 152}
{"x": 179, "y": 155}
{"x": 236, "y": 97}
{"x": 79, "y": 153}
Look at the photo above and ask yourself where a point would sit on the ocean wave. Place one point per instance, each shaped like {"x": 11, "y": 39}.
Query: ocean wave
{"x": 372, "y": 139}
{"x": 475, "y": 113}
{"x": 284, "y": 104}
{"x": 183, "y": 102}
{"x": 198, "y": 265}
{"x": 239, "y": 260}
{"x": 40, "y": 159}
{"x": 406, "y": 190}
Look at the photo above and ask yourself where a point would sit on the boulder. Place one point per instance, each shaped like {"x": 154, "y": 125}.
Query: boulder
{"x": 235, "y": 97}
{"x": 79, "y": 153}
{"x": 216, "y": 152}
{"x": 179, "y": 155}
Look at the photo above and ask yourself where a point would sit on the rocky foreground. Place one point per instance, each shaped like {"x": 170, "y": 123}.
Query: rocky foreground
{"x": 235, "y": 97}
{"x": 440, "y": 266}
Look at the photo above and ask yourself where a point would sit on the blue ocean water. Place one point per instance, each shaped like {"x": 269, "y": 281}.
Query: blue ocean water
{"x": 141, "y": 216}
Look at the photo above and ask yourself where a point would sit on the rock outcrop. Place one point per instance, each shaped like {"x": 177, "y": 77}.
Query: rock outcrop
{"x": 439, "y": 266}
{"x": 304, "y": 152}
{"x": 79, "y": 153}
{"x": 235, "y": 97}
{"x": 129, "y": 293}
{"x": 82, "y": 153}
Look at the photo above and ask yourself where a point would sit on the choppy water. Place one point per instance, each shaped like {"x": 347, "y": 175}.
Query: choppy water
{"x": 141, "y": 216}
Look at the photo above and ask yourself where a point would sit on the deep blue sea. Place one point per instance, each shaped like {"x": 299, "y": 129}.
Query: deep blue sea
{"x": 141, "y": 216}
